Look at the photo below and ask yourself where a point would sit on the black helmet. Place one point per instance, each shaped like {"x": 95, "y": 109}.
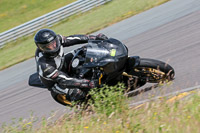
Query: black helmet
{"x": 47, "y": 41}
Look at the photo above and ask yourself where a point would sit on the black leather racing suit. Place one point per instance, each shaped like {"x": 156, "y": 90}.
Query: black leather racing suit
{"x": 54, "y": 71}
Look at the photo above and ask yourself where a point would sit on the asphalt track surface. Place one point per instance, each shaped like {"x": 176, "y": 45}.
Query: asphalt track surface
{"x": 169, "y": 32}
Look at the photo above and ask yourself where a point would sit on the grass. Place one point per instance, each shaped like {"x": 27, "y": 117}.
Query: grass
{"x": 103, "y": 16}
{"x": 179, "y": 116}
{"x": 16, "y": 12}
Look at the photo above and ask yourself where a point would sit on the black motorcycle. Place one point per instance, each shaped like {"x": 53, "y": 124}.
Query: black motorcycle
{"x": 108, "y": 62}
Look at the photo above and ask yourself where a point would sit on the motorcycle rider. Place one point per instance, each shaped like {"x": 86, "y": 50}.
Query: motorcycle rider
{"x": 53, "y": 66}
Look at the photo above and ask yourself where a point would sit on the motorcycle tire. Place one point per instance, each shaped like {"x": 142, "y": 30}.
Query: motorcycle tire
{"x": 153, "y": 71}
{"x": 61, "y": 98}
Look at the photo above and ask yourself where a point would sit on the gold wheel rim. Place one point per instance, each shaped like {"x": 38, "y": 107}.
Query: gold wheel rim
{"x": 156, "y": 74}
{"x": 62, "y": 98}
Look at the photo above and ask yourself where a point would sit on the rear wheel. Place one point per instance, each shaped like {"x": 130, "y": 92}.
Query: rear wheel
{"x": 153, "y": 71}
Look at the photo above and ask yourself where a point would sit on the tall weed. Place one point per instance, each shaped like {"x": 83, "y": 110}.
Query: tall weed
{"x": 108, "y": 99}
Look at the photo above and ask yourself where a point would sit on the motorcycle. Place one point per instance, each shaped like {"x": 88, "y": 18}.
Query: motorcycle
{"x": 108, "y": 62}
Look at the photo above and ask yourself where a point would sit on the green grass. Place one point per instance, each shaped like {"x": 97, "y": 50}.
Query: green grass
{"x": 114, "y": 116}
{"x": 177, "y": 117}
{"x": 86, "y": 23}
{"x": 16, "y": 12}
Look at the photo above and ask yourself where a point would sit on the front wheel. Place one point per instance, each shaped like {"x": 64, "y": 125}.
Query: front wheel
{"x": 153, "y": 71}
{"x": 61, "y": 98}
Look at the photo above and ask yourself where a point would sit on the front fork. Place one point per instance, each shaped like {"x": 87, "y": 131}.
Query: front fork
{"x": 98, "y": 74}
{"x": 132, "y": 62}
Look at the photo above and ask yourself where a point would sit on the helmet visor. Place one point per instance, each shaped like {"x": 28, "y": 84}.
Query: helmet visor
{"x": 52, "y": 46}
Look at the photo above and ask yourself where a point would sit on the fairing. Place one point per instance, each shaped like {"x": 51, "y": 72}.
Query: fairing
{"x": 109, "y": 54}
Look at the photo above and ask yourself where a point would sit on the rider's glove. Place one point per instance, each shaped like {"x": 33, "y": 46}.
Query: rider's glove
{"x": 94, "y": 83}
{"x": 89, "y": 84}
{"x": 101, "y": 37}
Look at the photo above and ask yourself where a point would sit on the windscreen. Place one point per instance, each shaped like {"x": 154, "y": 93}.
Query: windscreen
{"x": 97, "y": 55}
